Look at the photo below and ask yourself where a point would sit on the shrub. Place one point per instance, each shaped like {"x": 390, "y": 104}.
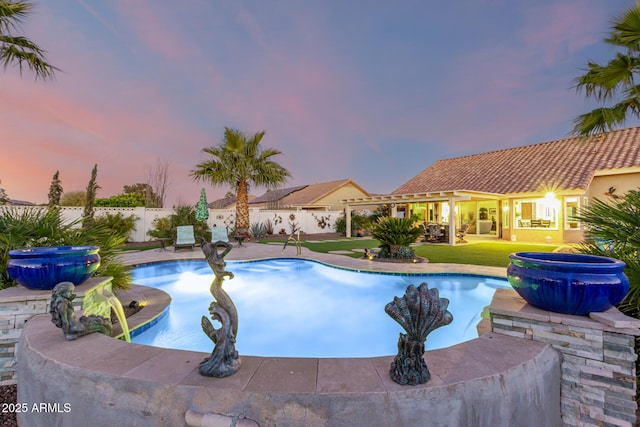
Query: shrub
{"x": 258, "y": 230}
{"x": 121, "y": 201}
{"x": 405, "y": 252}
{"x": 268, "y": 226}
{"x": 358, "y": 222}
{"x": 395, "y": 231}
{"x": 38, "y": 227}
{"x": 613, "y": 230}
{"x": 183, "y": 215}
{"x": 161, "y": 228}
{"x": 118, "y": 223}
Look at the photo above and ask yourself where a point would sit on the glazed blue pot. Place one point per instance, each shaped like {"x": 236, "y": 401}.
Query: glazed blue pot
{"x": 568, "y": 283}
{"x": 43, "y": 268}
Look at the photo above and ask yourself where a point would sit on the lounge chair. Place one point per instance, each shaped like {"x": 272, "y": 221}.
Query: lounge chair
{"x": 219, "y": 234}
{"x": 184, "y": 237}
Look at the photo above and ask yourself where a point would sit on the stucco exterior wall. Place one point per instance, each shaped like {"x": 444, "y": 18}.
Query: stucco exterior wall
{"x": 621, "y": 182}
{"x": 334, "y": 198}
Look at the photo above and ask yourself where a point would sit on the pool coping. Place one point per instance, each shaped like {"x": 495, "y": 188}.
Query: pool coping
{"x": 165, "y": 384}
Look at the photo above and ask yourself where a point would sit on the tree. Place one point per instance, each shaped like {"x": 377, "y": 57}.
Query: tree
{"x": 3, "y": 196}
{"x": 240, "y": 162}
{"x": 19, "y": 49}
{"x": 158, "y": 180}
{"x": 73, "y": 198}
{"x": 92, "y": 189}
{"x": 614, "y": 80}
{"x": 149, "y": 197}
{"x": 55, "y": 190}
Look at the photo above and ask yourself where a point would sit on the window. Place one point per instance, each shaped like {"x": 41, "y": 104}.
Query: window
{"x": 536, "y": 213}
{"x": 571, "y": 208}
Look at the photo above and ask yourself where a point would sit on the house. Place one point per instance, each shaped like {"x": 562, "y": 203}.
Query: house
{"x": 14, "y": 202}
{"x": 528, "y": 193}
{"x": 227, "y": 202}
{"x": 324, "y": 196}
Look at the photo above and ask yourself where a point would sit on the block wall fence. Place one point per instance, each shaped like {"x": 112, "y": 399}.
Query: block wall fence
{"x": 310, "y": 222}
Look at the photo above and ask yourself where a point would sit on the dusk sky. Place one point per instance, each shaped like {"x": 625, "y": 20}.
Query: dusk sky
{"x": 370, "y": 90}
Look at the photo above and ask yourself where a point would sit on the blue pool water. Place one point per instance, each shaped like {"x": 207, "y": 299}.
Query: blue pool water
{"x": 299, "y": 308}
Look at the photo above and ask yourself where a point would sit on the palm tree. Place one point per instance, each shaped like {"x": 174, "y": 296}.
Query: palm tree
{"x": 18, "y": 48}
{"x": 617, "y": 78}
{"x": 240, "y": 162}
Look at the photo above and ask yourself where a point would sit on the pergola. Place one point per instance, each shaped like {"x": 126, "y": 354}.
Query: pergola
{"x": 438, "y": 196}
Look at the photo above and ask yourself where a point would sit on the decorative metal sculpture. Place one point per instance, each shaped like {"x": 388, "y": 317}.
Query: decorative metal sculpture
{"x": 224, "y": 360}
{"x": 294, "y": 237}
{"x": 420, "y": 311}
{"x": 64, "y": 316}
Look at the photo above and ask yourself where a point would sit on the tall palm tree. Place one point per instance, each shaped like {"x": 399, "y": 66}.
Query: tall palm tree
{"x": 240, "y": 161}
{"x": 19, "y": 49}
{"x": 616, "y": 79}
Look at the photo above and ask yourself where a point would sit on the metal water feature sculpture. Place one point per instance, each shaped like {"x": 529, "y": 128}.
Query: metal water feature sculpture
{"x": 224, "y": 360}
{"x": 63, "y": 315}
{"x": 420, "y": 311}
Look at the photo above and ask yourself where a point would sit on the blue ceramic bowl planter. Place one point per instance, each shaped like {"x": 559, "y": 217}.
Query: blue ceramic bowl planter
{"x": 568, "y": 283}
{"x": 43, "y": 268}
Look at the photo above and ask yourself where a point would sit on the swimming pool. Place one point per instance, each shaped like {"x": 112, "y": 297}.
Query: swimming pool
{"x": 301, "y": 308}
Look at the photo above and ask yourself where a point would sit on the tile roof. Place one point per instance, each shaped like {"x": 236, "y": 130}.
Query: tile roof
{"x": 314, "y": 192}
{"x": 304, "y": 195}
{"x": 277, "y": 194}
{"x": 227, "y": 202}
{"x": 564, "y": 164}
{"x": 222, "y": 203}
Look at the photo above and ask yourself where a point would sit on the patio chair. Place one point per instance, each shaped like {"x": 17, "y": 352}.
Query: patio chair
{"x": 219, "y": 234}
{"x": 435, "y": 233}
{"x": 184, "y": 237}
{"x": 461, "y": 232}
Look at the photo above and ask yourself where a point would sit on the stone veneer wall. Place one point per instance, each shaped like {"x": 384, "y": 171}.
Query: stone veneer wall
{"x": 18, "y": 305}
{"x": 598, "y": 373}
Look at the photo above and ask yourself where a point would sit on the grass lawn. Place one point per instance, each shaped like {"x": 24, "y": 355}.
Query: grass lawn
{"x": 494, "y": 254}
{"x": 481, "y": 253}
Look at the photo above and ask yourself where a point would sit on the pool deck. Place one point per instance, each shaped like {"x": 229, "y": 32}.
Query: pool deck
{"x": 254, "y": 251}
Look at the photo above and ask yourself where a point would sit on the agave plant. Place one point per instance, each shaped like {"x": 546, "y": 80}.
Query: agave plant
{"x": 258, "y": 230}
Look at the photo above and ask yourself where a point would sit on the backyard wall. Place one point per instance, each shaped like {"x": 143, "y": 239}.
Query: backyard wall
{"x": 309, "y": 222}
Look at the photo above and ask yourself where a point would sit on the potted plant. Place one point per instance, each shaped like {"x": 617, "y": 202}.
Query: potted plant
{"x": 568, "y": 283}
{"x": 483, "y": 213}
{"x": 44, "y": 267}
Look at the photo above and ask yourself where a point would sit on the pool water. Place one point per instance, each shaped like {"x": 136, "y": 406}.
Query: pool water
{"x": 300, "y": 308}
